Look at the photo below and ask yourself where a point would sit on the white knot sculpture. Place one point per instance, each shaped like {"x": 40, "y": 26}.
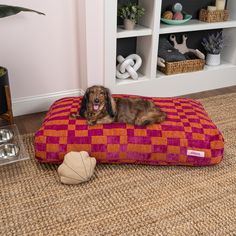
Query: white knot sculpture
{"x": 127, "y": 67}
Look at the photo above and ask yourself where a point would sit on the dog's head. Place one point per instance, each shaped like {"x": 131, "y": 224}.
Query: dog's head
{"x": 97, "y": 97}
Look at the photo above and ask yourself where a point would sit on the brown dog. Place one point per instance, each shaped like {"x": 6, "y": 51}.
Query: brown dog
{"x": 98, "y": 107}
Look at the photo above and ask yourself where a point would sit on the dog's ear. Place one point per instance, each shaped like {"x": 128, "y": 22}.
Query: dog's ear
{"x": 84, "y": 104}
{"x": 108, "y": 103}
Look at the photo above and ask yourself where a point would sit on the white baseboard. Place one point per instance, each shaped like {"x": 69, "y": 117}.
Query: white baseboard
{"x": 39, "y": 103}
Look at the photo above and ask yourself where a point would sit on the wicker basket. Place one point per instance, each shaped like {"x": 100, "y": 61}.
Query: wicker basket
{"x": 182, "y": 66}
{"x": 213, "y": 16}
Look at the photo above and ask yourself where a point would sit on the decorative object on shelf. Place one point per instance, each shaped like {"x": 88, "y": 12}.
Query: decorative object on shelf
{"x": 183, "y": 48}
{"x": 179, "y": 67}
{"x": 176, "y": 16}
{"x": 213, "y": 59}
{"x": 220, "y": 5}
{"x": 216, "y": 13}
{"x": 213, "y": 16}
{"x": 177, "y": 7}
{"x": 77, "y": 167}
{"x": 211, "y": 8}
{"x": 178, "y": 58}
{"x": 129, "y": 24}
{"x": 177, "y": 22}
{"x": 213, "y": 45}
{"x": 130, "y": 13}
{"x": 167, "y": 53}
{"x": 168, "y": 15}
{"x": 5, "y": 97}
{"x": 128, "y": 67}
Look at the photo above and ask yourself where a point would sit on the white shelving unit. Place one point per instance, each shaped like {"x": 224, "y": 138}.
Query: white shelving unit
{"x": 152, "y": 82}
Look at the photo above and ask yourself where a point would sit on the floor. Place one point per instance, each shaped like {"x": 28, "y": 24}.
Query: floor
{"x": 31, "y": 123}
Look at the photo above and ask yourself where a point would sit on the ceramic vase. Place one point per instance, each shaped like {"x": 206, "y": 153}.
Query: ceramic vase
{"x": 129, "y": 24}
{"x": 213, "y": 59}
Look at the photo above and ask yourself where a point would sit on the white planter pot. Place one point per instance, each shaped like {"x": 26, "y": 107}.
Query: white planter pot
{"x": 129, "y": 24}
{"x": 213, "y": 59}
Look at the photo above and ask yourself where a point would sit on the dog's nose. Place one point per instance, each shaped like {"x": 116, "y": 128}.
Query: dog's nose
{"x": 96, "y": 100}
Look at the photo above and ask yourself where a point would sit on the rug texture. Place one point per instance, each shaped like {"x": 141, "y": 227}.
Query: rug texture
{"x": 126, "y": 199}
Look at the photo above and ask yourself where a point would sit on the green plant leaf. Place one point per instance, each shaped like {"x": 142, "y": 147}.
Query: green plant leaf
{"x": 6, "y": 10}
{"x": 134, "y": 9}
{"x": 131, "y": 11}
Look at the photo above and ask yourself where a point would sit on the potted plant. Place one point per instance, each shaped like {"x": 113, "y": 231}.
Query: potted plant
{"x": 130, "y": 13}
{"x": 213, "y": 45}
{"x": 5, "y": 11}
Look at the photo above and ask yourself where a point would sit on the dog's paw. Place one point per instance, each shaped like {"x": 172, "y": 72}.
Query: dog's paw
{"x": 91, "y": 122}
{"x": 146, "y": 122}
{"x": 162, "y": 117}
{"x": 74, "y": 115}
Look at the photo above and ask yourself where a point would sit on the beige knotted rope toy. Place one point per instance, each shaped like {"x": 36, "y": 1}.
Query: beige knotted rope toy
{"x": 76, "y": 168}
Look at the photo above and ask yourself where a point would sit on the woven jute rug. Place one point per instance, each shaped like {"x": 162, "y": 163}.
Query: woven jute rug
{"x": 126, "y": 199}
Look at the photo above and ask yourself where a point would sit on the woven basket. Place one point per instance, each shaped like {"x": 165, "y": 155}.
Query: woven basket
{"x": 182, "y": 66}
{"x": 213, "y": 16}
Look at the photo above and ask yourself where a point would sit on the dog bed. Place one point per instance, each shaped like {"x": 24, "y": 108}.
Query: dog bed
{"x": 187, "y": 137}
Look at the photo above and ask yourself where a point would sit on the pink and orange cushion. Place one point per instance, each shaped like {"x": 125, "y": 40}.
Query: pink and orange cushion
{"x": 187, "y": 137}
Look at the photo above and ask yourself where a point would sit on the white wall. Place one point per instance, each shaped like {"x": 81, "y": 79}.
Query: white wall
{"x": 95, "y": 41}
{"x": 52, "y": 56}
{"x": 41, "y": 52}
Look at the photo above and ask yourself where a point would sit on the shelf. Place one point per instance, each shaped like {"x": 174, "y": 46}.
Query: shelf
{"x": 222, "y": 66}
{"x": 196, "y": 25}
{"x": 138, "y": 31}
{"x": 131, "y": 81}
{"x": 146, "y": 43}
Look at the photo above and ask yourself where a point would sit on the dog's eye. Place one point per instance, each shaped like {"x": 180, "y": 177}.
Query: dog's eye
{"x": 101, "y": 93}
{"x": 92, "y": 91}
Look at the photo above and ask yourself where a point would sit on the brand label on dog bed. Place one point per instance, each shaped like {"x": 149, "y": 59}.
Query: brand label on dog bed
{"x": 195, "y": 153}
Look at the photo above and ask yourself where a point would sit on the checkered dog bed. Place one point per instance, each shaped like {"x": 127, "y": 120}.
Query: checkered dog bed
{"x": 187, "y": 137}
